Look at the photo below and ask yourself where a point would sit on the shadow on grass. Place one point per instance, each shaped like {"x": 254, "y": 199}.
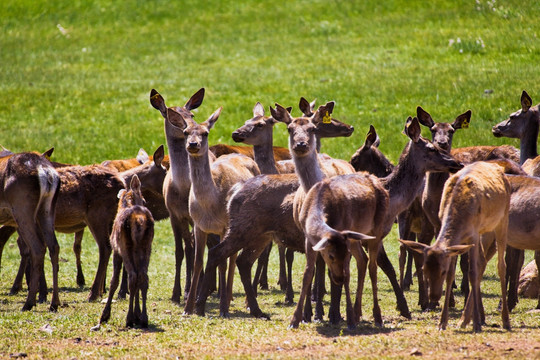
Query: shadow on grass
{"x": 362, "y": 328}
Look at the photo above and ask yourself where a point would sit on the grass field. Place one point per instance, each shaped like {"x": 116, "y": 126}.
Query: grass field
{"x": 77, "y": 75}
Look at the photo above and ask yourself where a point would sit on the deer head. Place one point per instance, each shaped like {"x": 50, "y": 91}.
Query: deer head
{"x": 443, "y": 132}
{"x": 257, "y": 130}
{"x": 520, "y": 122}
{"x": 369, "y": 158}
{"x": 330, "y": 127}
{"x": 197, "y": 134}
{"x": 132, "y": 196}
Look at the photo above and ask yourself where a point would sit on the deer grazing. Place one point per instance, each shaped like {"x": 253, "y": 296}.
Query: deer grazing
{"x": 330, "y": 207}
{"x": 28, "y": 196}
{"x": 475, "y": 201}
{"x": 210, "y": 183}
{"x": 524, "y": 125}
{"x": 131, "y": 240}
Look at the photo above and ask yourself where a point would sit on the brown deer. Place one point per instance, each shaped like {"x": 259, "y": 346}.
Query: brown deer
{"x": 28, "y": 196}
{"x": 88, "y": 197}
{"x": 475, "y": 201}
{"x": 524, "y": 125}
{"x": 337, "y": 202}
{"x": 177, "y": 184}
{"x": 210, "y": 183}
{"x": 131, "y": 240}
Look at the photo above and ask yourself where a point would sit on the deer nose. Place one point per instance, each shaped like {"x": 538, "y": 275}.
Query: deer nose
{"x": 302, "y": 145}
{"x": 192, "y": 144}
{"x": 237, "y": 137}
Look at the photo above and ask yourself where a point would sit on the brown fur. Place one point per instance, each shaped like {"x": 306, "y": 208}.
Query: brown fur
{"x": 131, "y": 241}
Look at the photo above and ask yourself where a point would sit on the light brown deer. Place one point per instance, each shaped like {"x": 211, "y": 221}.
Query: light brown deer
{"x": 131, "y": 240}
{"x": 210, "y": 183}
{"x": 177, "y": 184}
{"x": 475, "y": 201}
{"x": 330, "y": 205}
{"x": 28, "y": 196}
{"x": 524, "y": 125}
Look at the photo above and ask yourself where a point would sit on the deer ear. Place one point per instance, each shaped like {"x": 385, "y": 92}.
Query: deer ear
{"x": 424, "y": 117}
{"x": 213, "y": 118}
{"x": 322, "y": 244}
{"x": 157, "y": 101}
{"x": 175, "y": 118}
{"x": 456, "y": 250}
{"x": 372, "y": 138}
{"x": 462, "y": 121}
{"x": 412, "y": 129}
{"x": 289, "y": 109}
{"x": 323, "y": 113}
{"x": 356, "y": 236}
{"x": 142, "y": 156}
{"x": 47, "y": 154}
{"x": 414, "y": 246}
{"x": 305, "y": 107}
{"x": 135, "y": 183}
{"x": 526, "y": 101}
{"x": 158, "y": 156}
{"x": 258, "y": 110}
{"x": 195, "y": 100}
{"x": 281, "y": 114}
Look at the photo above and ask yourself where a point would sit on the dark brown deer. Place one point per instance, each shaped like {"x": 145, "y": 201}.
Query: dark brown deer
{"x": 329, "y": 205}
{"x": 28, "y": 196}
{"x": 475, "y": 201}
{"x": 524, "y": 125}
{"x": 131, "y": 240}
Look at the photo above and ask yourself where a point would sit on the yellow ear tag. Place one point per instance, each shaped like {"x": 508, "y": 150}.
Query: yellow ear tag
{"x": 155, "y": 97}
{"x": 465, "y": 124}
{"x": 327, "y": 119}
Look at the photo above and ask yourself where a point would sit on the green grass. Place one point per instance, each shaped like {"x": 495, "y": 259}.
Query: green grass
{"x": 86, "y": 93}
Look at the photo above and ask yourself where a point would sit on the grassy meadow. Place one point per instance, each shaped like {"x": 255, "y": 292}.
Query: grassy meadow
{"x": 76, "y": 75}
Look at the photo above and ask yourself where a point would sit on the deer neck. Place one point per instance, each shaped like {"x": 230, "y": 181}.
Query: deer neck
{"x": 527, "y": 145}
{"x": 264, "y": 157}
{"x": 178, "y": 155}
{"x": 405, "y": 182}
{"x": 318, "y": 144}
{"x": 202, "y": 182}
{"x": 308, "y": 169}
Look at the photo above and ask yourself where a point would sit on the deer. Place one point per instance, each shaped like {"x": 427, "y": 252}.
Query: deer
{"x": 28, "y": 197}
{"x": 177, "y": 185}
{"x": 336, "y": 196}
{"x": 88, "y": 197}
{"x": 522, "y": 124}
{"x": 258, "y": 132}
{"x": 131, "y": 240}
{"x": 475, "y": 201}
{"x": 210, "y": 183}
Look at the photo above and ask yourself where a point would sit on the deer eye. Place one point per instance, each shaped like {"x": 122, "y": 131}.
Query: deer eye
{"x": 260, "y": 125}
{"x": 186, "y": 133}
{"x": 205, "y": 134}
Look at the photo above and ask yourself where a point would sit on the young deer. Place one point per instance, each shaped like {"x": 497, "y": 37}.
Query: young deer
{"x": 177, "y": 184}
{"x": 208, "y": 193}
{"x": 28, "y": 196}
{"x": 331, "y": 207}
{"x": 475, "y": 201}
{"x": 131, "y": 240}
{"x": 524, "y": 125}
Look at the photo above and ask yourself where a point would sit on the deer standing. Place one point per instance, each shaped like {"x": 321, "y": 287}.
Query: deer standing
{"x": 131, "y": 240}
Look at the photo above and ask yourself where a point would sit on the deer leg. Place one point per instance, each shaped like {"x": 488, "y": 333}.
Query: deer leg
{"x": 245, "y": 262}
{"x": 77, "y": 248}
{"x": 319, "y": 286}
{"x": 514, "y": 262}
{"x": 501, "y": 237}
{"x": 230, "y": 277}
{"x": 537, "y": 260}
{"x": 5, "y": 233}
{"x": 25, "y": 268}
{"x": 117, "y": 267}
{"x": 334, "y": 313}
{"x": 289, "y": 258}
{"x": 351, "y": 318}
{"x": 404, "y": 225}
{"x": 132, "y": 284}
{"x": 388, "y": 269}
{"x": 282, "y": 281}
{"x": 311, "y": 257}
{"x": 123, "y": 285}
{"x": 361, "y": 265}
{"x": 101, "y": 236}
{"x": 447, "y": 294}
{"x": 143, "y": 287}
{"x": 261, "y": 273}
{"x": 474, "y": 296}
{"x": 373, "y": 250}
{"x": 178, "y": 231}
{"x": 200, "y": 244}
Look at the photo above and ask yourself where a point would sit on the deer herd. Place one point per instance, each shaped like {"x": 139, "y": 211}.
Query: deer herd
{"x": 239, "y": 200}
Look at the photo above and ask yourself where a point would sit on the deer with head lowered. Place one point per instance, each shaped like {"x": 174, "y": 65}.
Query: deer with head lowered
{"x": 475, "y": 201}
{"x": 524, "y": 125}
{"x": 131, "y": 240}
{"x": 334, "y": 215}
{"x": 210, "y": 183}
{"x": 28, "y": 198}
